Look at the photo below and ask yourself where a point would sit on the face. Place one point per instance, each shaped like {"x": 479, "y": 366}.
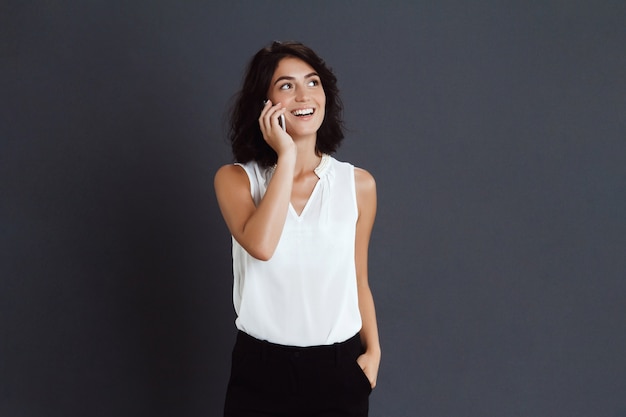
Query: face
{"x": 296, "y": 85}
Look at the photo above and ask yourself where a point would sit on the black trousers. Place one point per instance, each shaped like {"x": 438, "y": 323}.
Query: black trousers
{"x": 269, "y": 380}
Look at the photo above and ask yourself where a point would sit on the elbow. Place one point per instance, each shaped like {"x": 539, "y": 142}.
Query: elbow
{"x": 259, "y": 246}
{"x": 261, "y": 256}
{"x": 261, "y": 252}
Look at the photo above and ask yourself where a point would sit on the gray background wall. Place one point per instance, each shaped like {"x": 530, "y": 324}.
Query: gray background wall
{"x": 496, "y": 132}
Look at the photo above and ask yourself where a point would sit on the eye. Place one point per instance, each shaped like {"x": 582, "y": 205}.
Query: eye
{"x": 285, "y": 86}
{"x": 314, "y": 83}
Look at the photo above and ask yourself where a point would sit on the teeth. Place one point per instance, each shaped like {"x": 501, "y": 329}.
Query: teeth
{"x": 302, "y": 112}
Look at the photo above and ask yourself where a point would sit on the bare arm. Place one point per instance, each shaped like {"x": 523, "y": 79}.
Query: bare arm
{"x": 258, "y": 229}
{"x": 366, "y": 200}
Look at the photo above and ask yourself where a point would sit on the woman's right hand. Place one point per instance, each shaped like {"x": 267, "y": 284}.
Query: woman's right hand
{"x": 273, "y": 133}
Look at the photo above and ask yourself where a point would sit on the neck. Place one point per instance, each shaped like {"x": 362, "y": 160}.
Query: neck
{"x": 307, "y": 159}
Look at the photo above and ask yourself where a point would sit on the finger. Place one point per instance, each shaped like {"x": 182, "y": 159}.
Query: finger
{"x": 270, "y": 117}
{"x": 266, "y": 105}
{"x": 263, "y": 117}
{"x": 276, "y": 117}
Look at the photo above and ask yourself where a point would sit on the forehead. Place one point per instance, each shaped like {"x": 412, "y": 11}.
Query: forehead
{"x": 292, "y": 67}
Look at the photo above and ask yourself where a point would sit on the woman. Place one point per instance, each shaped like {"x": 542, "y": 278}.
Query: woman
{"x": 301, "y": 224}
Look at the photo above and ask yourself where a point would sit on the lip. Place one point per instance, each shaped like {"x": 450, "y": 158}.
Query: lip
{"x": 294, "y": 112}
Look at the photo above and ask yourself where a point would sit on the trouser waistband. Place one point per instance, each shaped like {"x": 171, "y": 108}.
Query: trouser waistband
{"x": 247, "y": 343}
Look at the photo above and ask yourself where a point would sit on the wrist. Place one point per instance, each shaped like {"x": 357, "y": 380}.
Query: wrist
{"x": 287, "y": 155}
{"x": 373, "y": 351}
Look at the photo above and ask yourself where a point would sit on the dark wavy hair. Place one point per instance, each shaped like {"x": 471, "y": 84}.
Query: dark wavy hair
{"x": 245, "y": 135}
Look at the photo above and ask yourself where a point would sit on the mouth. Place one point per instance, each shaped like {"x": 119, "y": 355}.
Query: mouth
{"x": 303, "y": 112}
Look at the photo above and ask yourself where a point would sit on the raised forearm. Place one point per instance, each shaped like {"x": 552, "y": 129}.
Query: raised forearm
{"x": 261, "y": 232}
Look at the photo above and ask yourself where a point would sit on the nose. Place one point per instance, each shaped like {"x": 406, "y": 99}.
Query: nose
{"x": 301, "y": 94}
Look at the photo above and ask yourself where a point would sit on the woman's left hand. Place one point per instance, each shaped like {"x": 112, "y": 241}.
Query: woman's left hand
{"x": 369, "y": 363}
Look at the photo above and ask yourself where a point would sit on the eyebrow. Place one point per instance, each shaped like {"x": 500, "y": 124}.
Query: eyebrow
{"x": 290, "y": 78}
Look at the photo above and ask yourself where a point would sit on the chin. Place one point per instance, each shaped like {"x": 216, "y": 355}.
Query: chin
{"x": 306, "y": 134}
{"x": 303, "y": 132}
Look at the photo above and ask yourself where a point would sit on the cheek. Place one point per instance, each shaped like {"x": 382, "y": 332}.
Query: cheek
{"x": 322, "y": 102}
{"x": 323, "y": 108}
{"x": 323, "y": 112}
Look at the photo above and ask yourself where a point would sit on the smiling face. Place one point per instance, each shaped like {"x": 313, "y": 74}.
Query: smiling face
{"x": 297, "y": 86}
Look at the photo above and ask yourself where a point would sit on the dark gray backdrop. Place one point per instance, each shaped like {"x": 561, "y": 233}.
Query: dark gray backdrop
{"x": 496, "y": 132}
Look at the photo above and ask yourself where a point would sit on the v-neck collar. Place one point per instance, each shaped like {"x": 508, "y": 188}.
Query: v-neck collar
{"x": 320, "y": 171}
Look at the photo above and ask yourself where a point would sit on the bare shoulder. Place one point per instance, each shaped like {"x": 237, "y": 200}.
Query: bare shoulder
{"x": 365, "y": 193}
{"x": 230, "y": 174}
{"x": 365, "y": 182}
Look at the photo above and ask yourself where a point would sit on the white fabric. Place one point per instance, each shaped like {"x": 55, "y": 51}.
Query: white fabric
{"x": 306, "y": 294}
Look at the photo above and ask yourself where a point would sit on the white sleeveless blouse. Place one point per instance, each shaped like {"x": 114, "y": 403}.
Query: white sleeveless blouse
{"x": 306, "y": 294}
